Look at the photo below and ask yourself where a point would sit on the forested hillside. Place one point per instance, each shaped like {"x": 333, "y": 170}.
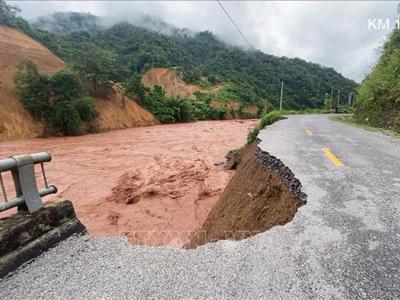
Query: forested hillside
{"x": 252, "y": 76}
{"x": 41, "y": 95}
{"x": 379, "y": 94}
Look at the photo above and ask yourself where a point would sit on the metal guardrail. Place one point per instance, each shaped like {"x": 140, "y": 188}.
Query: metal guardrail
{"x": 28, "y": 197}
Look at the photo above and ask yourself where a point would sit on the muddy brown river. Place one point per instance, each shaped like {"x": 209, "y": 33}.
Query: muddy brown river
{"x": 154, "y": 185}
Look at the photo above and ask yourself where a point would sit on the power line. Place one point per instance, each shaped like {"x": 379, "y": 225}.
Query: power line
{"x": 233, "y": 22}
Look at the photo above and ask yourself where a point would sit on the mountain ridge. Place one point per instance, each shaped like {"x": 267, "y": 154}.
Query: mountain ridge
{"x": 203, "y": 55}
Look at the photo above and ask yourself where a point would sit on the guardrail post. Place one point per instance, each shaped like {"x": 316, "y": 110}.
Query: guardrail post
{"x": 25, "y": 183}
{"x": 28, "y": 197}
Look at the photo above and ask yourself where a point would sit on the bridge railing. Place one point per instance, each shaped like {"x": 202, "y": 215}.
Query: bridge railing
{"x": 28, "y": 197}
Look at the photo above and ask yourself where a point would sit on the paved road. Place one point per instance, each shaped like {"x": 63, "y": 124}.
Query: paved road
{"x": 345, "y": 243}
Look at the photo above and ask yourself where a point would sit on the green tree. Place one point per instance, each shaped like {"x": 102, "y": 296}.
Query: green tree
{"x": 86, "y": 109}
{"x": 66, "y": 84}
{"x": 70, "y": 107}
{"x": 65, "y": 118}
{"x": 192, "y": 74}
{"x": 155, "y": 101}
{"x": 58, "y": 99}
{"x": 169, "y": 109}
{"x": 33, "y": 89}
{"x": 97, "y": 66}
{"x": 135, "y": 88}
{"x": 183, "y": 109}
{"x": 7, "y": 11}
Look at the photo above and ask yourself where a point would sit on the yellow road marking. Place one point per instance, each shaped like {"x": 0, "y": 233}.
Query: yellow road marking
{"x": 337, "y": 162}
{"x": 309, "y": 132}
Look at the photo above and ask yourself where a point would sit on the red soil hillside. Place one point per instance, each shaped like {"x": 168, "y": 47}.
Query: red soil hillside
{"x": 15, "y": 121}
{"x": 172, "y": 83}
{"x": 119, "y": 111}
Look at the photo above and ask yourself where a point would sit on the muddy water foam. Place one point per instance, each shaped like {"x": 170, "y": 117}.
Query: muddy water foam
{"x": 154, "y": 185}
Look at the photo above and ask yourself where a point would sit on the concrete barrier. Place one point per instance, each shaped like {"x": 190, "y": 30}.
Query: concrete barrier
{"x": 24, "y": 235}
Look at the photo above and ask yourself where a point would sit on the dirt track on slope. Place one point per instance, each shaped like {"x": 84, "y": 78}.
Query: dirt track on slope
{"x": 154, "y": 185}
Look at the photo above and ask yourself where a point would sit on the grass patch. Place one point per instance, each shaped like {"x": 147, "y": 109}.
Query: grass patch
{"x": 265, "y": 120}
{"x": 349, "y": 120}
{"x": 307, "y": 111}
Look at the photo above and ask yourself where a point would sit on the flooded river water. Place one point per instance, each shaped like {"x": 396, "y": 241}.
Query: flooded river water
{"x": 152, "y": 184}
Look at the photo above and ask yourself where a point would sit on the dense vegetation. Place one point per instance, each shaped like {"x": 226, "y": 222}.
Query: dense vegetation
{"x": 379, "y": 94}
{"x": 58, "y": 100}
{"x": 96, "y": 66}
{"x": 121, "y": 53}
{"x": 255, "y": 77}
{"x": 203, "y": 59}
{"x": 172, "y": 109}
{"x": 265, "y": 120}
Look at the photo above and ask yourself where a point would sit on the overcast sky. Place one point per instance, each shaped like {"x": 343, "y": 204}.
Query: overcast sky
{"x": 334, "y": 34}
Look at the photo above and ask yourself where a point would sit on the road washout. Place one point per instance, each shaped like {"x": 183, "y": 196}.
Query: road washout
{"x": 155, "y": 185}
{"x": 262, "y": 193}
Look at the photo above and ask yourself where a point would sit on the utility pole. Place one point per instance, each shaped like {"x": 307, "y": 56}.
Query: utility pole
{"x": 350, "y": 98}
{"x": 319, "y": 89}
{"x": 338, "y": 97}
{"x": 280, "y": 103}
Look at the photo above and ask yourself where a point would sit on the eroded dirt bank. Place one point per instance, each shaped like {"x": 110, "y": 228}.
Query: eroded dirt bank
{"x": 262, "y": 193}
{"x": 170, "y": 80}
{"x": 153, "y": 184}
{"x": 116, "y": 112}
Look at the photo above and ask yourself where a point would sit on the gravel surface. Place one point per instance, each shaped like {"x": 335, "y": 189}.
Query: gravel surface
{"x": 344, "y": 243}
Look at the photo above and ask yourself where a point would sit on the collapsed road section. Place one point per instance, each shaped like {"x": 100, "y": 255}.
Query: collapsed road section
{"x": 263, "y": 193}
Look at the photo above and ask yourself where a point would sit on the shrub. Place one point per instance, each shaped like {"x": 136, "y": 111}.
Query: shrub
{"x": 175, "y": 109}
{"x": 58, "y": 100}
{"x": 378, "y": 101}
{"x": 292, "y": 112}
{"x": 86, "y": 109}
{"x": 135, "y": 88}
{"x": 252, "y": 136}
{"x": 183, "y": 109}
{"x": 66, "y": 84}
{"x": 347, "y": 109}
{"x": 155, "y": 101}
{"x": 32, "y": 89}
{"x": 218, "y": 113}
{"x": 315, "y": 111}
{"x": 65, "y": 118}
{"x": 305, "y": 111}
{"x": 265, "y": 120}
{"x": 201, "y": 110}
